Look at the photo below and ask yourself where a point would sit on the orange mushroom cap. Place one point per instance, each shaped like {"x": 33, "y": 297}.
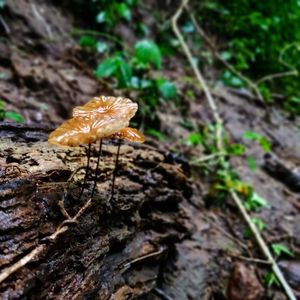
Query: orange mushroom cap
{"x": 114, "y": 107}
{"x": 130, "y": 134}
{"x": 78, "y": 131}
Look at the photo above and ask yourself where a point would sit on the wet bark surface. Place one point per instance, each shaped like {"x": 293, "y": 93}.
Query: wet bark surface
{"x": 118, "y": 245}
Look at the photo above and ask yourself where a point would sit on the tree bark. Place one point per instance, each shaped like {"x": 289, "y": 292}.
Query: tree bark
{"x": 115, "y": 248}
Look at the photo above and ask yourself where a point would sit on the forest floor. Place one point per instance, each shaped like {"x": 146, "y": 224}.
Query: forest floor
{"x": 44, "y": 74}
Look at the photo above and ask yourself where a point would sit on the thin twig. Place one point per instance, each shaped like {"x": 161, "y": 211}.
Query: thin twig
{"x": 211, "y": 102}
{"x": 5, "y": 26}
{"x": 155, "y": 253}
{"x": 229, "y": 66}
{"x": 263, "y": 246}
{"x": 250, "y": 259}
{"x": 278, "y": 75}
{"x": 162, "y": 294}
{"x": 218, "y": 120}
{"x": 201, "y": 160}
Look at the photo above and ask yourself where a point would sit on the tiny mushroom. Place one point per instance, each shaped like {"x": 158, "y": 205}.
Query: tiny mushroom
{"x": 101, "y": 117}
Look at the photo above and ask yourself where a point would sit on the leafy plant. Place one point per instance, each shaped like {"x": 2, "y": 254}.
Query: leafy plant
{"x": 110, "y": 12}
{"x": 254, "y": 136}
{"x": 194, "y": 139}
{"x": 254, "y": 202}
{"x": 117, "y": 67}
{"x": 271, "y": 279}
{"x": 90, "y": 42}
{"x": 147, "y": 52}
{"x": 258, "y": 40}
{"x": 259, "y": 223}
{"x": 9, "y": 114}
{"x": 280, "y": 249}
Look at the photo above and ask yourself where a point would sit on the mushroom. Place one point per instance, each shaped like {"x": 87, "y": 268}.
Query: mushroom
{"x": 99, "y": 118}
{"x": 108, "y": 106}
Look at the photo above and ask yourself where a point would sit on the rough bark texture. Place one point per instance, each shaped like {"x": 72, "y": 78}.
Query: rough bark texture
{"x": 116, "y": 249}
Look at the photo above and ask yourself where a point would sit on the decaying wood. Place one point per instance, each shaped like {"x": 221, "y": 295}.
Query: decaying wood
{"x": 116, "y": 248}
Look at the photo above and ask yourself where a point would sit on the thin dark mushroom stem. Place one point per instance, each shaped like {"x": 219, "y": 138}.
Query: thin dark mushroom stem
{"x": 115, "y": 170}
{"x": 86, "y": 170}
{"x": 97, "y": 166}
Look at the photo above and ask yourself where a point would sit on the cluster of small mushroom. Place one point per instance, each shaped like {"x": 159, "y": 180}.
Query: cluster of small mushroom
{"x": 101, "y": 117}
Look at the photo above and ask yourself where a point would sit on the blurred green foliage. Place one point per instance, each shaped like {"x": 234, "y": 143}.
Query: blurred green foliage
{"x": 9, "y": 115}
{"x": 261, "y": 38}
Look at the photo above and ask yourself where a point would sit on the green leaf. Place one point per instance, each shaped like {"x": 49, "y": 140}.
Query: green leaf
{"x": 271, "y": 279}
{"x": 251, "y": 162}
{"x": 278, "y": 249}
{"x": 14, "y": 116}
{"x": 107, "y": 68}
{"x": 148, "y": 52}
{"x": 124, "y": 73}
{"x": 194, "y": 139}
{"x": 236, "y": 149}
{"x": 254, "y": 202}
{"x": 101, "y": 47}
{"x": 226, "y": 55}
{"x": 259, "y": 223}
{"x": 188, "y": 27}
{"x": 88, "y": 41}
{"x": 167, "y": 89}
{"x": 263, "y": 142}
{"x": 156, "y": 133}
{"x": 101, "y": 17}
{"x": 123, "y": 11}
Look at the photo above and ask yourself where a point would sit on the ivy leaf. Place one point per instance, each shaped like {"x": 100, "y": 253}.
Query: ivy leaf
{"x": 194, "y": 139}
{"x": 123, "y": 11}
{"x": 148, "y": 52}
{"x": 106, "y": 68}
{"x": 101, "y": 17}
{"x": 251, "y": 162}
{"x": 278, "y": 249}
{"x": 124, "y": 73}
{"x": 236, "y": 149}
{"x": 88, "y": 41}
{"x": 14, "y": 116}
{"x": 101, "y": 47}
{"x": 167, "y": 89}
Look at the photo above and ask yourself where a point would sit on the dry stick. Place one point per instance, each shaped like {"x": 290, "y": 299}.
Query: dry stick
{"x": 278, "y": 75}
{"x": 235, "y": 197}
{"x": 39, "y": 249}
{"x": 229, "y": 66}
{"x": 263, "y": 246}
{"x": 199, "y": 76}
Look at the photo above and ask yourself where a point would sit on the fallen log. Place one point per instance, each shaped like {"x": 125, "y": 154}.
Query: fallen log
{"x": 114, "y": 248}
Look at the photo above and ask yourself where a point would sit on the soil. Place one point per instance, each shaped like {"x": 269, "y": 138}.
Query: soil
{"x": 160, "y": 238}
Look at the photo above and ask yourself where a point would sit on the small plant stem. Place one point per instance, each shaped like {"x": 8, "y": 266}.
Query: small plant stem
{"x": 86, "y": 171}
{"x": 211, "y": 102}
{"x": 97, "y": 166}
{"x": 115, "y": 170}
{"x": 263, "y": 245}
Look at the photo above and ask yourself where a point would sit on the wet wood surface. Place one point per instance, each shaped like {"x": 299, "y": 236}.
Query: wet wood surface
{"x": 117, "y": 245}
